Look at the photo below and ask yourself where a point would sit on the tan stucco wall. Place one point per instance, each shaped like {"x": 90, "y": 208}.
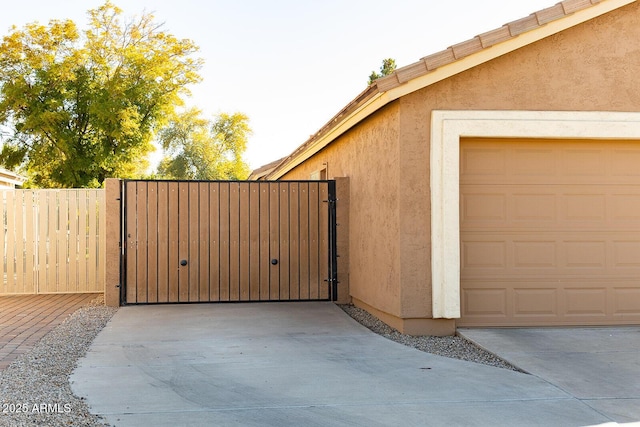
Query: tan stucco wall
{"x": 367, "y": 155}
{"x": 591, "y": 67}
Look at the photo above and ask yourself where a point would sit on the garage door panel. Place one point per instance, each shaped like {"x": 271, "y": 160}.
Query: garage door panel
{"x": 572, "y": 302}
{"x": 550, "y": 232}
{"x": 561, "y": 207}
{"x": 484, "y": 254}
{"x": 579, "y": 163}
{"x": 535, "y": 254}
{"x": 625, "y": 161}
{"x": 532, "y": 301}
{"x": 626, "y": 254}
{"x": 485, "y": 302}
{"x": 626, "y": 301}
{"x": 571, "y": 253}
{"x": 557, "y": 162}
{"x": 586, "y": 301}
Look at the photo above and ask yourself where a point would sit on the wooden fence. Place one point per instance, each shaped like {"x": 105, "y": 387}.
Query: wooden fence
{"x": 53, "y": 241}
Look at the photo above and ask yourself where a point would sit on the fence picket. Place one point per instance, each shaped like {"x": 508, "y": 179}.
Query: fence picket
{"x": 52, "y": 241}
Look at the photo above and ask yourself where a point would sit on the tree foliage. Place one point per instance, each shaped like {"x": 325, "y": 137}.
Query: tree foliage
{"x": 82, "y": 107}
{"x": 205, "y": 150}
{"x": 388, "y": 66}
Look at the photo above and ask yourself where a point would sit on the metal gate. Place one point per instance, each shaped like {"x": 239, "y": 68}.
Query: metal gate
{"x": 228, "y": 241}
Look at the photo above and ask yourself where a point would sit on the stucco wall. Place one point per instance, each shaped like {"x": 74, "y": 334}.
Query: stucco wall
{"x": 368, "y": 155}
{"x": 591, "y": 67}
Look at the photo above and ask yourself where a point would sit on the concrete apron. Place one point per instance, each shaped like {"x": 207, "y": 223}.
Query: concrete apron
{"x": 598, "y": 366}
{"x": 296, "y": 364}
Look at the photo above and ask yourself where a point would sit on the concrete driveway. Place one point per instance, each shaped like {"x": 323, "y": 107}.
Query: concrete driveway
{"x": 282, "y": 364}
{"x": 598, "y": 366}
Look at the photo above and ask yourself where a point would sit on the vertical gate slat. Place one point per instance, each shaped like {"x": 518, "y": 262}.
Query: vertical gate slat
{"x": 141, "y": 242}
{"x": 63, "y": 240}
{"x": 30, "y": 241}
{"x": 183, "y": 241}
{"x": 194, "y": 245}
{"x": 72, "y": 247}
{"x": 174, "y": 254}
{"x": 163, "y": 241}
{"x": 225, "y": 247}
{"x": 303, "y": 194}
{"x": 314, "y": 271}
{"x": 234, "y": 246}
{"x": 19, "y": 241}
{"x": 131, "y": 239}
{"x": 294, "y": 239}
{"x": 152, "y": 216}
{"x": 254, "y": 241}
{"x": 214, "y": 241}
{"x": 203, "y": 239}
{"x": 4, "y": 286}
{"x": 97, "y": 246}
{"x": 265, "y": 240}
{"x": 42, "y": 260}
{"x": 83, "y": 259}
{"x": 52, "y": 237}
{"x": 284, "y": 258}
{"x": 10, "y": 244}
{"x": 274, "y": 238}
{"x": 323, "y": 241}
{"x": 243, "y": 241}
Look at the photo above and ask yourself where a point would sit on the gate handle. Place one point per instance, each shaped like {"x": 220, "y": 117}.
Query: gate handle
{"x": 183, "y": 262}
{"x": 274, "y": 261}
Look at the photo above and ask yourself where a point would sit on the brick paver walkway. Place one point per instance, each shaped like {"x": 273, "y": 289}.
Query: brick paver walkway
{"x": 25, "y": 319}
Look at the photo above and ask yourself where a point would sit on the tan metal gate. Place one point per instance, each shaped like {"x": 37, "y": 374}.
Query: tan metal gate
{"x": 225, "y": 241}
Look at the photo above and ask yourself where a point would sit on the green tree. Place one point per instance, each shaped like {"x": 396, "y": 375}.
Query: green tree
{"x": 82, "y": 107}
{"x": 388, "y": 66}
{"x": 205, "y": 150}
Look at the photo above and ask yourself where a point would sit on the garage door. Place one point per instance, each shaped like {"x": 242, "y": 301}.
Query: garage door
{"x": 550, "y": 232}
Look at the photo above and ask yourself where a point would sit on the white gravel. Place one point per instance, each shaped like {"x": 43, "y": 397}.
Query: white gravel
{"x": 454, "y": 347}
{"x": 35, "y": 390}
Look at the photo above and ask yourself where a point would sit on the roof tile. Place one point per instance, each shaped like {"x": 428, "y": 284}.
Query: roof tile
{"x": 412, "y": 71}
{"x": 439, "y": 59}
{"x": 466, "y": 48}
{"x": 523, "y": 25}
{"x": 496, "y": 36}
{"x": 550, "y": 14}
{"x": 571, "y": 6}
{"x": 387, "y": 82}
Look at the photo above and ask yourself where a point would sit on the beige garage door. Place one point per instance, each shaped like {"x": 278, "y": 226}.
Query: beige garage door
{"x": 550, "y": 232}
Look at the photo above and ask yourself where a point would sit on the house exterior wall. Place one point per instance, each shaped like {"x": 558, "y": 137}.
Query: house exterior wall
{"x": 367, "y": 156}
{"x": 590, "y": 67}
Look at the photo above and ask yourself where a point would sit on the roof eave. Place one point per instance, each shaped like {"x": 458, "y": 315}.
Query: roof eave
{"x": 410, "y": 79}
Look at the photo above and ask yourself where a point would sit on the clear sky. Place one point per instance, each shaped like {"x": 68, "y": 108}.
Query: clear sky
{"x": 291, "y": 65}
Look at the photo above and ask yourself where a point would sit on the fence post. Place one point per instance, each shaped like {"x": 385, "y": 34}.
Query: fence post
{"x": 113, "y": 212}
{"x": 342, "y": 220}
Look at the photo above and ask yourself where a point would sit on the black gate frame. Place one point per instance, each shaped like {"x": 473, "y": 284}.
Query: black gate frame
{"x": 332, "y": 273}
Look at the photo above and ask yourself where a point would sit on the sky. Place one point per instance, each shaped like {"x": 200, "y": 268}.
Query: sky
{"x": 291, "y": 65}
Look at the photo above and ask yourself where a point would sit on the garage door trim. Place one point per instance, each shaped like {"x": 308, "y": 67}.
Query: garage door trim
{"x": 447, "y": 127}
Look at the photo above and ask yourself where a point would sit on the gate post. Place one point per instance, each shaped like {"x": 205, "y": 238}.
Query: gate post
{"x": 113, "y": 212}
{"x": 342, "y": 235}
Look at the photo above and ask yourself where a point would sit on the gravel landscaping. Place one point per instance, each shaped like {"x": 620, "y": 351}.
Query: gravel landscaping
{"x": 454, "y": 347}
{"x": 35, "y": 390}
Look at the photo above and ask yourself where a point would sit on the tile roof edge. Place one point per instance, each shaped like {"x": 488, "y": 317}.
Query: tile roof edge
{"x": 508, "y": 32}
